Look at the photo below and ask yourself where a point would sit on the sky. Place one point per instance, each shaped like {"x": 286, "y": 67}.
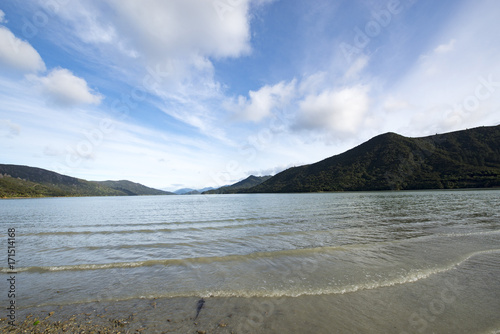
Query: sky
{"x": 203, "y": 93}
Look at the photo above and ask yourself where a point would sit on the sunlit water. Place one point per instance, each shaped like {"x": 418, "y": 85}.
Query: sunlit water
{"x": 431, "y": 259}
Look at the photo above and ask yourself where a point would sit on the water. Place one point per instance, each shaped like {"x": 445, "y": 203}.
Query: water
{"x": 402, "y": 262}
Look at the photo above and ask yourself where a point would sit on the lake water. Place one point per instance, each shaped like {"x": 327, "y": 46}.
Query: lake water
{"x": 376, "y": 262}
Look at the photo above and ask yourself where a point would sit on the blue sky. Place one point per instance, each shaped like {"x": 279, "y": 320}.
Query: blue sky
{"x": 196, "y": 93}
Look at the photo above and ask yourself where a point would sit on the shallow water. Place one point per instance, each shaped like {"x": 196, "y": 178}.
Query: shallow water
{"x": 415, "y": 262}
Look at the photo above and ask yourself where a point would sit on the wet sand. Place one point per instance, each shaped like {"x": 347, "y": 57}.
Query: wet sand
{"x": 452, "y": 302}
{"x": 168, "y": 315}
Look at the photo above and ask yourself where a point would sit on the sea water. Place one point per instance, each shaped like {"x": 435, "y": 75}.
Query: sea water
{"x": 402, "y": 262}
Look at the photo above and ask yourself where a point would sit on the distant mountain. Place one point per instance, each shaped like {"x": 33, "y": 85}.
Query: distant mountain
{"x": 193, "y": 192}
{"x": 183, "y": 191}
{"x": 189, "y": 191}
{"x": 240, "y": 186}
{"x": 24, "y": 181}
{"x": 462, "y": 159}
{"x": 205, "y": 189}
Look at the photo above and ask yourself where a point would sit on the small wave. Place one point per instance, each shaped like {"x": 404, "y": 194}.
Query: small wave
{"x": 214, "y": 259}
{"x": 468, "y": 234}
{"x": 156, "y": 230}
{"x": 409, "y": 278}
{"x": 412, "y": 277}
{"x": 109, "y": 232}
{"x": 186, "y": 261}
{"x": 282, "y": 293}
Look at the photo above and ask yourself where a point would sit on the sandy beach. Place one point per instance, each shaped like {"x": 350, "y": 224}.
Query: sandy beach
{"x": 133, "y": 316}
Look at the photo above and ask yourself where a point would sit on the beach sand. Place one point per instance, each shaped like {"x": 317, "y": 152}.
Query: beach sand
{"x": 168, "y": 315}
{"x": 450, "y": 302}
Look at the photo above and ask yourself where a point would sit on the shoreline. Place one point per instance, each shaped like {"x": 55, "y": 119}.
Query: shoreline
{"x": 277, "y": 193}
{"x": 162, "y": 315}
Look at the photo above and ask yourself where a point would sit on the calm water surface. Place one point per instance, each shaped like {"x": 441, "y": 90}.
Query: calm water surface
{"x": 402, "y": 262}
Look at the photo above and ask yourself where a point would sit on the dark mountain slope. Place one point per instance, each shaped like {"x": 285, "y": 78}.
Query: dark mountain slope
{"x": 132, "y": 188}
{"x": 240, "y": 186}
{"x": 462, "y": 159}
{"x": 24, "y": 181}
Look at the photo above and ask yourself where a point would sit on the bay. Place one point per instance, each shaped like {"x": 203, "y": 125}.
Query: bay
{"x": 347, "y": 257}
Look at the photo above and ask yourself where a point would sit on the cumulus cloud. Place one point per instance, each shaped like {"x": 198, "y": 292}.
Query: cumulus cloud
{"x": 18, "y": 54}
{"x": 179, "y": 27}
{"x": 157, "y": 30}
{"x": 2, "y": 16}
{"x": 65, "y": 89}
{"x": 261, "y": 103}
{"x": 341, "y": 110}
{"x": 188, "y": 35}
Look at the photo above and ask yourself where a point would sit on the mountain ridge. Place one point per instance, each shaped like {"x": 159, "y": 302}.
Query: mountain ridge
{"x": 239, "y": 186}
{"x": 25, "y": 181}
{"x": 461, "y": 159}
{"x": 190, "y": 191}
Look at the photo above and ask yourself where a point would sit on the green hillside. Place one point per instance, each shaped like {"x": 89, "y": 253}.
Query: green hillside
{"x": 132, "y": 189}
{"x": 462, "y": 159}
{"x": 24, "y": 181}
{"x": 240, "y": 186}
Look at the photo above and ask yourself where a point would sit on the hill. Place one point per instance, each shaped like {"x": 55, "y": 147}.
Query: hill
{"x": 24, "y": 181}
{"x": 462, "y": 159}
{"x": 240, "y": 186}
{"x": 183, "y": 191}
{"x": 131, "y": 188}
{"x": 189, "y": 191}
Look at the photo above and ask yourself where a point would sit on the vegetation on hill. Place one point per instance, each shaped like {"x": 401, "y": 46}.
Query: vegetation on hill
{"x": 462, "y": 159}
{"x": 240, "y": 186}
{"x": 24, "y": 181}
{"x": 131, "y": 188}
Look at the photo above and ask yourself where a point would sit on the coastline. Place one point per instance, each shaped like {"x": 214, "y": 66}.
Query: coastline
{"x": 247, "y": 193}
{"x": 450, "y": 302}
{"x": 164, "y": 315}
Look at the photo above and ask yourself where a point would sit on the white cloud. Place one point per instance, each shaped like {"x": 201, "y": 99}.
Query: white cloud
{"x": 77, "y": 144}
{"x": 181, "y": 38}
{"x": 270, "y": 171}
{"x": 2, "y": 16}
{"x": 446, "y": 87}
{"x": 9, "y": 129}
{"x": 176, "y": 28}
{"x": 157, "y": 30}
{"x": 341, "y": 110}
{"x": 434, "y": 61}
{"x": 65, "y": 89}
{"x": 313, "y": 83}
{"x": 262, "y": 102}
{"x": 393, "y": 104}
{"x": 18, "y": 54}
{"x": 358, "y": 65}
{"x": 445, "y": 48}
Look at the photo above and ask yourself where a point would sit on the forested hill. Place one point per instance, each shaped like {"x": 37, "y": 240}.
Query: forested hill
{"x": 240, "y": 186}
{"x": 462, "y": 159}
{"x": 24, "y": 181}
